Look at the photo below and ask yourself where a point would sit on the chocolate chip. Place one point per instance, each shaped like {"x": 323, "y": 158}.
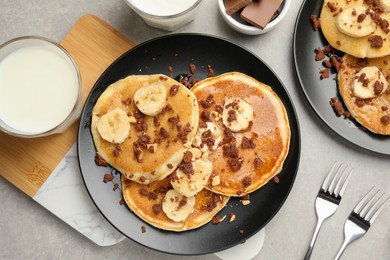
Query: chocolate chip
{"x": 187, "y": 157}
{"x": 108, "y": 177}
{"x": 174, "y": 89}
{"x": 385, "y": 120}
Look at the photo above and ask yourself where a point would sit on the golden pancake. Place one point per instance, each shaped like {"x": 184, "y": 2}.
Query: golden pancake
{"x": 262, "y": 147}
{"x": 360, "y": 39}
{"x": 153, "y": 146}
{"x": 370, "y": 112}
{"x": 146, "y": 202}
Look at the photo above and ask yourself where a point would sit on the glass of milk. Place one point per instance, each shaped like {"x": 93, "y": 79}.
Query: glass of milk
{"x": 168, "y": 15}
{"x": 40, "y": 87}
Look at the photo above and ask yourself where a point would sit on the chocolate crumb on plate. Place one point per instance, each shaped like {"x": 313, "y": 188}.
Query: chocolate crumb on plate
{"x": 108, "y": 177}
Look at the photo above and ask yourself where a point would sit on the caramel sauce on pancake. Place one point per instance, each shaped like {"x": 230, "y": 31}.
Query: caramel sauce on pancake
{"x": 270, "y": 132}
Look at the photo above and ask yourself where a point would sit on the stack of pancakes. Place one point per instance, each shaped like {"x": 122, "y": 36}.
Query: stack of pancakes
{"x": 228, "y": 136}
{"x": 360, "y": 29}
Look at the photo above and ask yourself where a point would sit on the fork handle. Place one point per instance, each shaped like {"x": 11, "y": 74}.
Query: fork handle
{"x": 347, "y": 241}
{"x": 314, "y": 238}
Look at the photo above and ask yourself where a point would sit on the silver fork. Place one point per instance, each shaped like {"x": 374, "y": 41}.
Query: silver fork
{"x": 329, "y": 197}
{"x": 362, "y": 217}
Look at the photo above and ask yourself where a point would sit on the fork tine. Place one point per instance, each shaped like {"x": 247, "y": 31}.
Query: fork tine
{"x": 325, "y": 185}
{"x": 368, "y": 205}
{"x": 361, "y": 203}
{"x": 374, "y": 207}
{"x": 336, "y": 177}
{"x": 372, "y": 219}
{"x": 345, "y": 183}
{"x": 341, "y": 181}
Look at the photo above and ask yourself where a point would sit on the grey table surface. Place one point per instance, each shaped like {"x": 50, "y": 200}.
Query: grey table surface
{"x": 28, "y": 231}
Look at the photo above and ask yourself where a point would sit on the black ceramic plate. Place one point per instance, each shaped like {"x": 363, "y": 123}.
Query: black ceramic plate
{"x": 179, "y": 51}
{"x": 319, "y": 92}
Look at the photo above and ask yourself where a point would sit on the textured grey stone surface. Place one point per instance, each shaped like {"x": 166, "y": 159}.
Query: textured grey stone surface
{"x": 28, "y": 231}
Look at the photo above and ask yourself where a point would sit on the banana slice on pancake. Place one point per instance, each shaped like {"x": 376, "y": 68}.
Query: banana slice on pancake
{"x": 237, "y": 114}
{"x": 192, "y": 180}
{"x": 363, "y": 86}
{"x": 114, "y": 126}
{"x": 369, "y": 82}
{"x": 177, "y": 206}
{"x": 151, "y": 99}
{"x": 355, "y": 22}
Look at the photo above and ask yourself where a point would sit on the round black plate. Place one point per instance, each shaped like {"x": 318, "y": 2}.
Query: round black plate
{"x": 319, "y": 92}
{"x": 179, "y": 51}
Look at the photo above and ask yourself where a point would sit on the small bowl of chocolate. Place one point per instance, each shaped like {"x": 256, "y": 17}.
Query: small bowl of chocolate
{"x": 253, "y": 17}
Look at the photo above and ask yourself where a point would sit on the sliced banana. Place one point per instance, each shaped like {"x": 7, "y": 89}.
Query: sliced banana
{"x": 215, "y": 134}
{"x": 348, "y": 22}
{"x": 114, "y": 126}
{"x": 243, "y": 113}
{"x": 371, "y": 76}
{"x": 176, "y": 206}
{"x": 151, "y": 99}
{"x": 190, "y": 184}
{"x": 385, "y": 4}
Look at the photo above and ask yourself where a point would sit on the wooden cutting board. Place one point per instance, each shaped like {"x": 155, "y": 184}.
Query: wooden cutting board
{"x": 27, "y": 163}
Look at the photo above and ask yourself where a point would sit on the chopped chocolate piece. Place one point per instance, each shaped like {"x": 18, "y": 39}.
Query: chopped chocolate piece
{"x": 257, "y": 162}
{"x": 247, "y": 181}
{"x": 205, "y": 116}
{"x": 347, "y": 114}
{"x": 233, "y": 6}
{"x": 187, "y": 157}
{"x": 336, "y": 62}
{"x": 362, "y": 62}
{"x": 219, "y": 109}
{"x": 182, "y": 134}
{"x": 235, "y": 163}
{"x": 324, "y": 73}
{"x": 327, "y": 64}
{"x": 378, "y": 87}
{"x": 187, "y": 168}
{"x": 232, "y": 116}
{"x": 127, "y": 183}
{"x": 216, "y": 219}
{"x": 332, "y": 7}
{"x": 208, "y": 102}
{"x": 115, "y": 187}
{"x": 138, "y": 154}
{"x": 376, "y": 41}
{"x": 230, "y": 150}
{"x": 359, "y": 102}
{"x": 157, "y": 208}
{"x": 202, "y": 125}
{"x": 169, "y": 165}
{"x": 384, "y": 108}
{"x": 316, "y": 22}
{"x": 121, "y": 202}
{"x": 175, "y": 120}
{"x": 164, "y": 133}
{"x": 385, "y": 120}
{"x": 361, "y": 17}
{"x": 337, "y": 105}
{"x": 156, "y": 121}
{"x": 140, "y": 126}
{"x": 173, "y": 90}
{"x": 206, "y": 134}
{"x": 142, "y": 179}
{"x": 247, "y": 143}
{"x": 275, "y": 179}
{"x": 138, "y": 114}
{"x": 210, "y": 71}
{"x": 183, "y": 202}
{"x": 126, "y": 101}
{"x": 108, "y": 177}
{"x": 143, "y": 229}
{"x": 192, "y": 68}
{"x": 259, "y": 13}
{"x": 320, "y": 55}
{"x": 100, "y": 161}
